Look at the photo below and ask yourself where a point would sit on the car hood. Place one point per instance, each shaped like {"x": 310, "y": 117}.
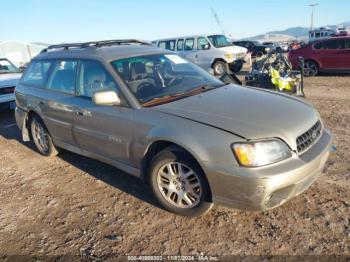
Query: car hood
{"x": 234, "y": 49}
{"x": 247, "y": 112}
{"x": 9, "y": 79}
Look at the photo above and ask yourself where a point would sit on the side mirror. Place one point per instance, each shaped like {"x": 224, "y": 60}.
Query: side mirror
{"x": 206, "y": 47}
{"x": 106, "y": 98}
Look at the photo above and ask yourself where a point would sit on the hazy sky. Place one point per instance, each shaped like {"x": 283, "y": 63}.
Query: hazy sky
{"x": 54, "y": 21}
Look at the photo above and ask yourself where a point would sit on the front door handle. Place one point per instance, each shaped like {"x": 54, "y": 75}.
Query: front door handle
{"x": 83, "y": 113}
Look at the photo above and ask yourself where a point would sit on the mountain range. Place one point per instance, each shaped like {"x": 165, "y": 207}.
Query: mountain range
{"x": 291, "y": 33}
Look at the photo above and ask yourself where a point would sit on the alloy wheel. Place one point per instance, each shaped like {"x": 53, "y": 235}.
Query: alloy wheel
{"x": 179, "y": 185}
{"x": 40, "y": 137}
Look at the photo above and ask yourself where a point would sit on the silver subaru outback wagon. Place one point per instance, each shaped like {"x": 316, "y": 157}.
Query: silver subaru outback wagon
{"x": 157, "y": 116}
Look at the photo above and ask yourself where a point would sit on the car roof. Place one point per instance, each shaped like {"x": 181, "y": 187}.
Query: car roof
{"x": 184, "y": 37}
{"x": 106, "y": 53}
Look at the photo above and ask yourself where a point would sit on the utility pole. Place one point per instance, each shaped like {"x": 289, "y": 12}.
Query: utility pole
{"x": 312, "y": 14}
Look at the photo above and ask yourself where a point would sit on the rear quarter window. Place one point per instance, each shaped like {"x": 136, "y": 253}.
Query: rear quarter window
{"x": 36, "y": 73}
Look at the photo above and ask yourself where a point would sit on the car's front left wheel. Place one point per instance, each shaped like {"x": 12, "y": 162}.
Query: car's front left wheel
{"x": 41, "y": 137}
{"x": 179, "y": 184}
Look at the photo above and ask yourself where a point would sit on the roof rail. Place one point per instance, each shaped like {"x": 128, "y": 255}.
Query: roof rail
{"x": 96, "y": 44}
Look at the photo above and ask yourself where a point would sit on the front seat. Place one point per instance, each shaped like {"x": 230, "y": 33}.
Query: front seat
{"x": 138, "y": 71}
{"x": 95, "y": 80}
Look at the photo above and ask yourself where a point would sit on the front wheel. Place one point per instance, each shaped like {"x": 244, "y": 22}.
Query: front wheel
{"x": 219, "y": 68}
{"x": 310, "y": 68}
{"x": 41, "y": 137}
{"x": 179, "y": 184}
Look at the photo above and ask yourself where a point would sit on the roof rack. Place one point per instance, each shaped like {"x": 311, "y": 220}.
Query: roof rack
{"x": 96, "y": 44}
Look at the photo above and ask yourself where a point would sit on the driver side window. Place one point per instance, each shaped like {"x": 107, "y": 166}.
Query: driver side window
{"x": 94, "y": 77}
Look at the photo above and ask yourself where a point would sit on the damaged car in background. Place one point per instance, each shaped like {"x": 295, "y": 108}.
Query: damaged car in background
{"x": 9, "y": 77}
{"x": 151, "y": 113}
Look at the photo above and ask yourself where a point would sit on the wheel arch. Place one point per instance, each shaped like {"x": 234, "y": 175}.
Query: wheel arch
{"x": 217, "y": 60}
{"x": 157, "y": 146}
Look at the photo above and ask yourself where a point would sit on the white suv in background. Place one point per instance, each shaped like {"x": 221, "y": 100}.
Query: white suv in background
{"x": 212, "y": 52}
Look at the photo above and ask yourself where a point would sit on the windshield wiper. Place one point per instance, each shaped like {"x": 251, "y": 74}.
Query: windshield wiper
{"x": 169, "y": 97}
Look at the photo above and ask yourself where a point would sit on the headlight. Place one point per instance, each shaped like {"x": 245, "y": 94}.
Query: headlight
{"x": 261, "y": 153}
{"x": 230, "y": 56}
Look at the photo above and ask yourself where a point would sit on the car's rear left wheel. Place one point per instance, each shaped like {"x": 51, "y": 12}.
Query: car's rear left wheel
{"x": 179, "y": 184}
{"x": 310, "y": 68}
{"x": 41, "y": 138}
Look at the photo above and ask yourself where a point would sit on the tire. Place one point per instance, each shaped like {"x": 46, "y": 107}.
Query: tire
{"x": 219, "y": 68}
{"x": 310, "y": 68}
{"x": 42, "y": 138}
{"x": 187, "y": 194}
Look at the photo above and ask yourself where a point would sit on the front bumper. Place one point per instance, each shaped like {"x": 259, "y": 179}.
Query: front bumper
{"x": 259, "y": 189}
{"x": 7, "y": 98}
{"x": 236, "y": 65}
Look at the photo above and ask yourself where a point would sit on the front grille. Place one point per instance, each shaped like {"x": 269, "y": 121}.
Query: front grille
{"x": 7, "y": 90}
{"x": 309, "y": 137}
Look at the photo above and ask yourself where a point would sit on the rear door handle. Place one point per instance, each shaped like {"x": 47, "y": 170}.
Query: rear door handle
{"x": 41, "y": 103}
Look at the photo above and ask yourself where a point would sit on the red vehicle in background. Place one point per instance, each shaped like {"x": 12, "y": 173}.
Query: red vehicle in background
{"x": 327, "y": 55}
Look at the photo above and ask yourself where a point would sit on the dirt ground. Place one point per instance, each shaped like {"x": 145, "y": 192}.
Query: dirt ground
{"x": 72, "y": 205}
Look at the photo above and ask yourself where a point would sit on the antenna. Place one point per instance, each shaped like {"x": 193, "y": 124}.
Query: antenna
{"x": 217, "y": 19}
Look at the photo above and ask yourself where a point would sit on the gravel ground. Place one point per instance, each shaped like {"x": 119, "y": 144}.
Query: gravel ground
{"x": 72, "y": 205}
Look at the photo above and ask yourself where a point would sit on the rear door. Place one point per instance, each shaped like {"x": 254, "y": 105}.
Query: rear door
{"x": 189, "y": 50}
{"x": 103, "y": 130}
{"x": 332, "y": 54}
{"x": 347, "y": 54}
{"x": 51, "y": 86}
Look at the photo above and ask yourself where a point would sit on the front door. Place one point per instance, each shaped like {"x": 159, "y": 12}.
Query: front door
{"x": 103, "y": 130}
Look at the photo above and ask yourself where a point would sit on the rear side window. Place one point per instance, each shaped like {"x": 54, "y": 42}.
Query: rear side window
{"x": 94, "y": 77}
{"x": 347, "y": 43}
{"x": 62, "y": 78}
{"x": 189, "y": 44}
{"x": 36, "y": 73}
{"x": 334, "y": 44}
{"x": 169, "y": 45}
{"x": 180, "y": 45}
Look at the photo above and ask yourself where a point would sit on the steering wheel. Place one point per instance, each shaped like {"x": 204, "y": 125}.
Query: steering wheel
{"x": 146, "y": 89}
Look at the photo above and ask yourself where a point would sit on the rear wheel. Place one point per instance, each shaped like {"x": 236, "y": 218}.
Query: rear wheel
{"x": 41, "y": 137}
{"x": 310, "y": 68}
{"x": 179, "y": 184}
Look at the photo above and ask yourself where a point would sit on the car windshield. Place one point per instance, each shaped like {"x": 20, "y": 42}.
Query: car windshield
{"x": 160, "y": 78}
{"x": 7, "y": 67}
{"x": 219, "y": 41}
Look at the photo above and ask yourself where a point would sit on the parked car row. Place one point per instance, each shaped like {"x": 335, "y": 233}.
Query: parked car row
{"x": 156, "y": 115}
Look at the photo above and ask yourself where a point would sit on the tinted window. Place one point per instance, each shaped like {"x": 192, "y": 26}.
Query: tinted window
{"x": 62, "y": 78}
{"x": 318, "y": 46}
{"x": 94, "y": 77}
{"x": 334, "y": 44}
{"x": 36, "y": 73}
{"x": 202, "y": 42}
{"x": 347, "y": 43}
{"x": 189, "y": 44}
{"x": 180, "y": 45}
